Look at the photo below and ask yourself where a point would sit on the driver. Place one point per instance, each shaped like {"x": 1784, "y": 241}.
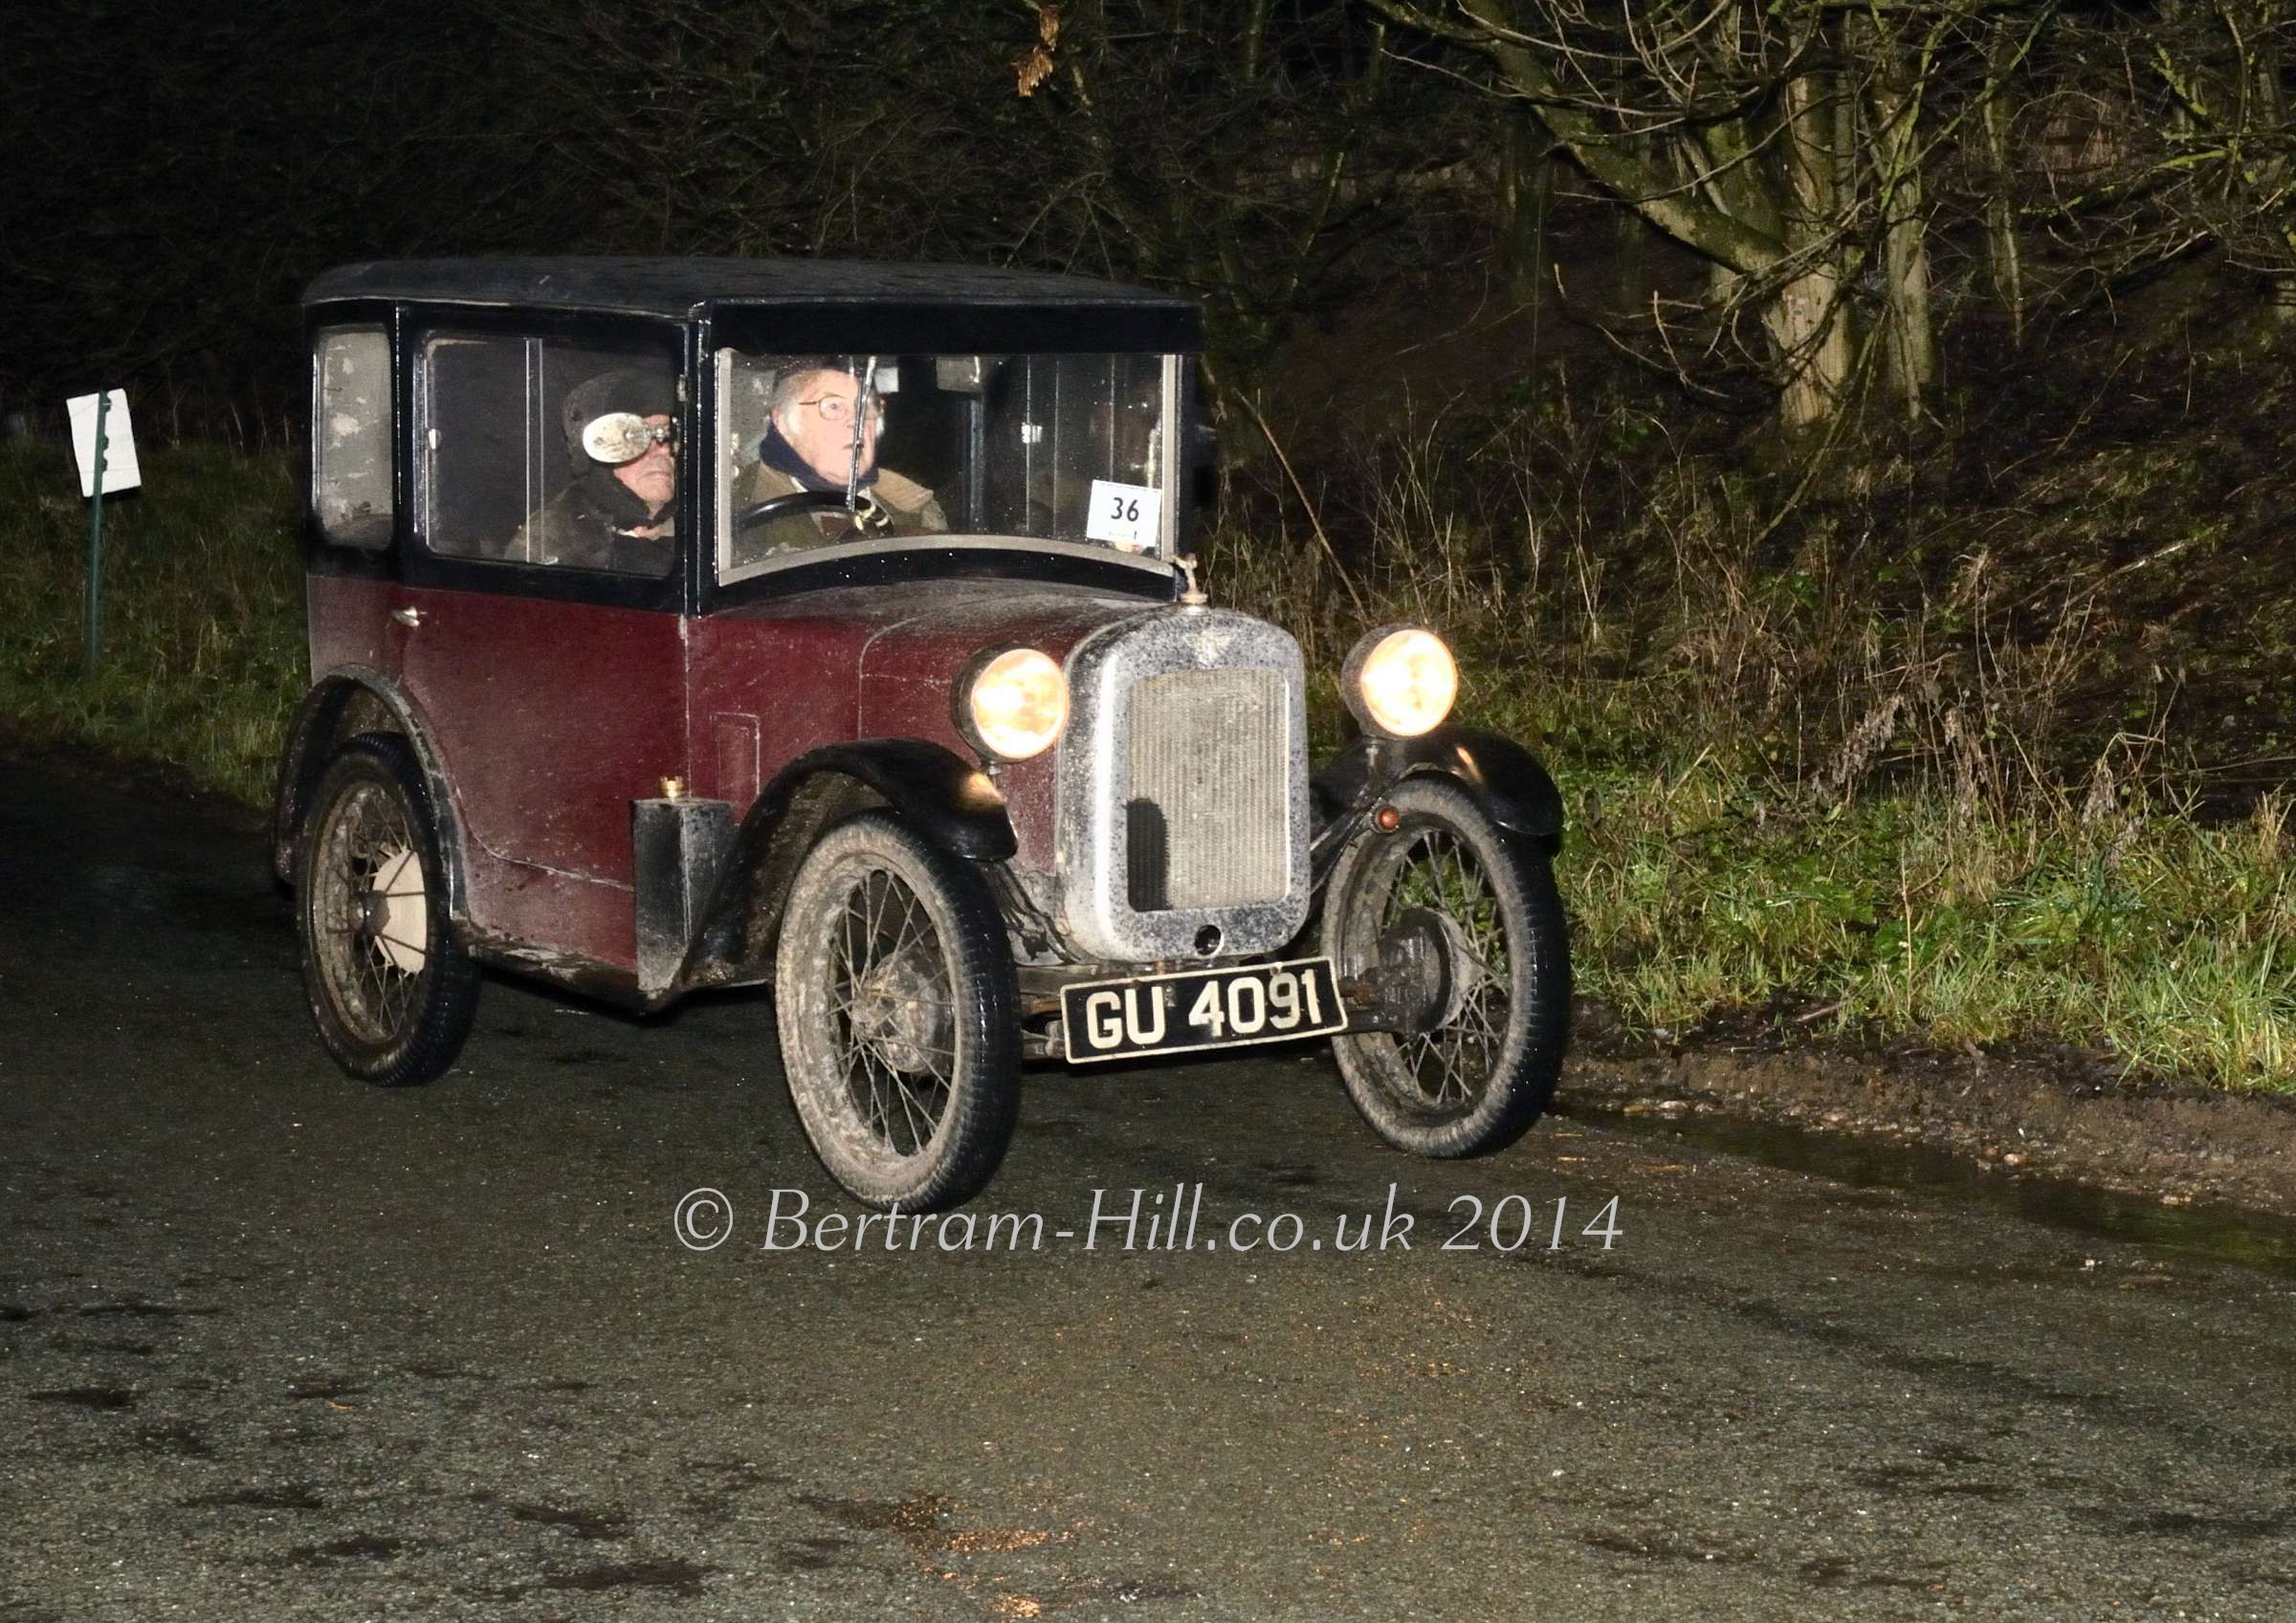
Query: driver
{"x": 620, "y": 509}
{"x": 814, "y": 443}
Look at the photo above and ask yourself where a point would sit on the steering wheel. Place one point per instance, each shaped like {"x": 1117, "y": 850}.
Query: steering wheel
{"x": 799, "y": 501}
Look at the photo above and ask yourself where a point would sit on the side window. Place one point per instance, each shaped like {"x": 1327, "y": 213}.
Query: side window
{"x": 542, "y": 450}
{"x": 350, "y": 436}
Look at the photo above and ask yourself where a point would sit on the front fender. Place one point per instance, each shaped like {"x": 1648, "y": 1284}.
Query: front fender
{"x": 943, "y": 797}
{"x": 1507, "y": 781}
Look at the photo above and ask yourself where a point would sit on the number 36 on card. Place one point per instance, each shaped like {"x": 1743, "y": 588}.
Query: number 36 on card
{"x": 1130, "y": 516}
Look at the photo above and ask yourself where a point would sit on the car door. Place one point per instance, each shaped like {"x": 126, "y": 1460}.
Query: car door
{"x": 552, "y": 692}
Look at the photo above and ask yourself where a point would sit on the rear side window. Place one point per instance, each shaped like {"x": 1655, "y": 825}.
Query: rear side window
{"x": 350, "y": 436}
{"x": 550, "y": 451}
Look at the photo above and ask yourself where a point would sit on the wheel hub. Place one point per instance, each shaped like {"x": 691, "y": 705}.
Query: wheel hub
{"x": 1427, "y": 970}
{"x": 899, "y": 1010}
{"x": 394, "y": 914}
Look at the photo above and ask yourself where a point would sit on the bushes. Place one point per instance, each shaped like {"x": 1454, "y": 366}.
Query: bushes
{"x": 1908, "y": 749}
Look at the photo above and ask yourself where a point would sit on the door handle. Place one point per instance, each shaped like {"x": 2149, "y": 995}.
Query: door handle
{"x": 408, "y": 616}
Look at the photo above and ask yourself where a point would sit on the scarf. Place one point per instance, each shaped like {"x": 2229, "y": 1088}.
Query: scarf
{"x": 779, "y": 456}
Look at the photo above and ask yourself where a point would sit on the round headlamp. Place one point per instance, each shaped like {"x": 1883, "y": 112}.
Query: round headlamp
{"x": 1399, "y": 681}
{"x": 1012, "y": 704}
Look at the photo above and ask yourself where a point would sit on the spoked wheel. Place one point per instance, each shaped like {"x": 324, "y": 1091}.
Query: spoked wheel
{"x": 894, "y": 992}
{"x": 391, "y": 993}
{"x": 1460, "y": 924}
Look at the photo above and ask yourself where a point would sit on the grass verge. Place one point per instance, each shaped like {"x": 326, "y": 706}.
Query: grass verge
{"x": 202, "y": 611}
{"x": 2150, "y": 932}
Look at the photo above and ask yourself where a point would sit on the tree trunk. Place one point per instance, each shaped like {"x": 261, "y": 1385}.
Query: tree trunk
{"x": 2005, "y": 261}
{"x": 1909, "y": 336}
{"x": 2266, "y": 81}
{"x": 1806, "y": 322}
{"x": 1526, "y": 190}
{"x": 1909, "y": 329}
{"x": 1630, "y": 273}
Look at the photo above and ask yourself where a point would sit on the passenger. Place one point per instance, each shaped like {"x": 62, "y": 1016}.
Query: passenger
{"x": 620, "y": 509}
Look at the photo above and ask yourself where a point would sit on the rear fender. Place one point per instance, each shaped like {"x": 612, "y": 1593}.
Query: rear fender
{"x": 341, "y": 705}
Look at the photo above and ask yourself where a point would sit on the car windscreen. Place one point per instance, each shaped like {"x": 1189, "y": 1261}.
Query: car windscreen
{"x": 821, "y": 452}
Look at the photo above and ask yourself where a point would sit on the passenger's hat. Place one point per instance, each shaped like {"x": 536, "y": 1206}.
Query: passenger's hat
{"x": 636, "y": 390}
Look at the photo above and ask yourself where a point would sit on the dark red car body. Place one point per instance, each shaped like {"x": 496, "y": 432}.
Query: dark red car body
{"x": 577, "y": 710}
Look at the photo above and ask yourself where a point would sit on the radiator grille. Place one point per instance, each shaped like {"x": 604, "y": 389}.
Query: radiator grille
{"x": 1207, "y": 790}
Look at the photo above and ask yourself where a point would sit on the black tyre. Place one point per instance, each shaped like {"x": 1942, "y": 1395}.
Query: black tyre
{"x": 391, "y": 993}
{"x": 894, "y": 992}
{"x": 1466, "y": 920}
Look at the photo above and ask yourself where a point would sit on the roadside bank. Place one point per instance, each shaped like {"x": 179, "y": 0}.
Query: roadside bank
{"x": 2029, "y": 1114}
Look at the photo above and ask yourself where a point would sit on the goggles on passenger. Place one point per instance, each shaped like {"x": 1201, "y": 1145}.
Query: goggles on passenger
{"x": 624, "y": 436}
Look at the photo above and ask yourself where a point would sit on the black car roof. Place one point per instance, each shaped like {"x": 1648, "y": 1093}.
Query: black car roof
{"x": 682, "y": 288}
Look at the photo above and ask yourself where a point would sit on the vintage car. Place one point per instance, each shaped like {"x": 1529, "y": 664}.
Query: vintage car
{"x": 685, "y": 624}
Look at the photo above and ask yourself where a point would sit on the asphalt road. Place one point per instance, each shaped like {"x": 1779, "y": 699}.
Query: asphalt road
{"x": 274, "y": 1345}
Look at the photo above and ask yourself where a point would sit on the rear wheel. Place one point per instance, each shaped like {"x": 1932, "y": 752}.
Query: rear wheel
{"x": 390, "y": 992}
{"x": 894, "y": 992}
{"x": 1460, "y": 923}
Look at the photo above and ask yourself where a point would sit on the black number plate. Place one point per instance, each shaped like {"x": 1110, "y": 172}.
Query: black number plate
{"x": 1208, "y": 1008}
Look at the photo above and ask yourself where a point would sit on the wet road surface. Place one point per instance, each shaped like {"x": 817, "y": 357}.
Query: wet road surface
{"x": 275, "y": 1345}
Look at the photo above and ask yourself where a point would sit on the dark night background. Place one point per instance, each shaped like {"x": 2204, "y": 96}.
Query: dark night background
{"x": 180, "y": 172}
{"x": 1333, "y": 177}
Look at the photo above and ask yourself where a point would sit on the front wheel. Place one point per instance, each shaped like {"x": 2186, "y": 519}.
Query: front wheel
{"x": 391, "y": 993}
{"x": 1461, "y": 926}
{"x": 896, "y": 1001}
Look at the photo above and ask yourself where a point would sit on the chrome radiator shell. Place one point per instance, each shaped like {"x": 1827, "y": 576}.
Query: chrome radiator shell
{"x": 1181, "y": 793}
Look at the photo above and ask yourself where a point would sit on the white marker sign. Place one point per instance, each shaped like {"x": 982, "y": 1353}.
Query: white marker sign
{"x": 1127, "y": 516}
{"x": 119, "y": 470}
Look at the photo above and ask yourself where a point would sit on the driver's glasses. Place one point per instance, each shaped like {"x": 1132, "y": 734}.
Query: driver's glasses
{"x": 838, "y": 409}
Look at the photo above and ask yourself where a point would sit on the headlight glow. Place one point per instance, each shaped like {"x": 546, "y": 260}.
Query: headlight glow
{"x": 1015, "y": 704}
{"x": 1400, "y": 680}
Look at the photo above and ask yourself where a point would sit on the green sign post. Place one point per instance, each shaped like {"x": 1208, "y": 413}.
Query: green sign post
{"x": 92, "y": 645}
